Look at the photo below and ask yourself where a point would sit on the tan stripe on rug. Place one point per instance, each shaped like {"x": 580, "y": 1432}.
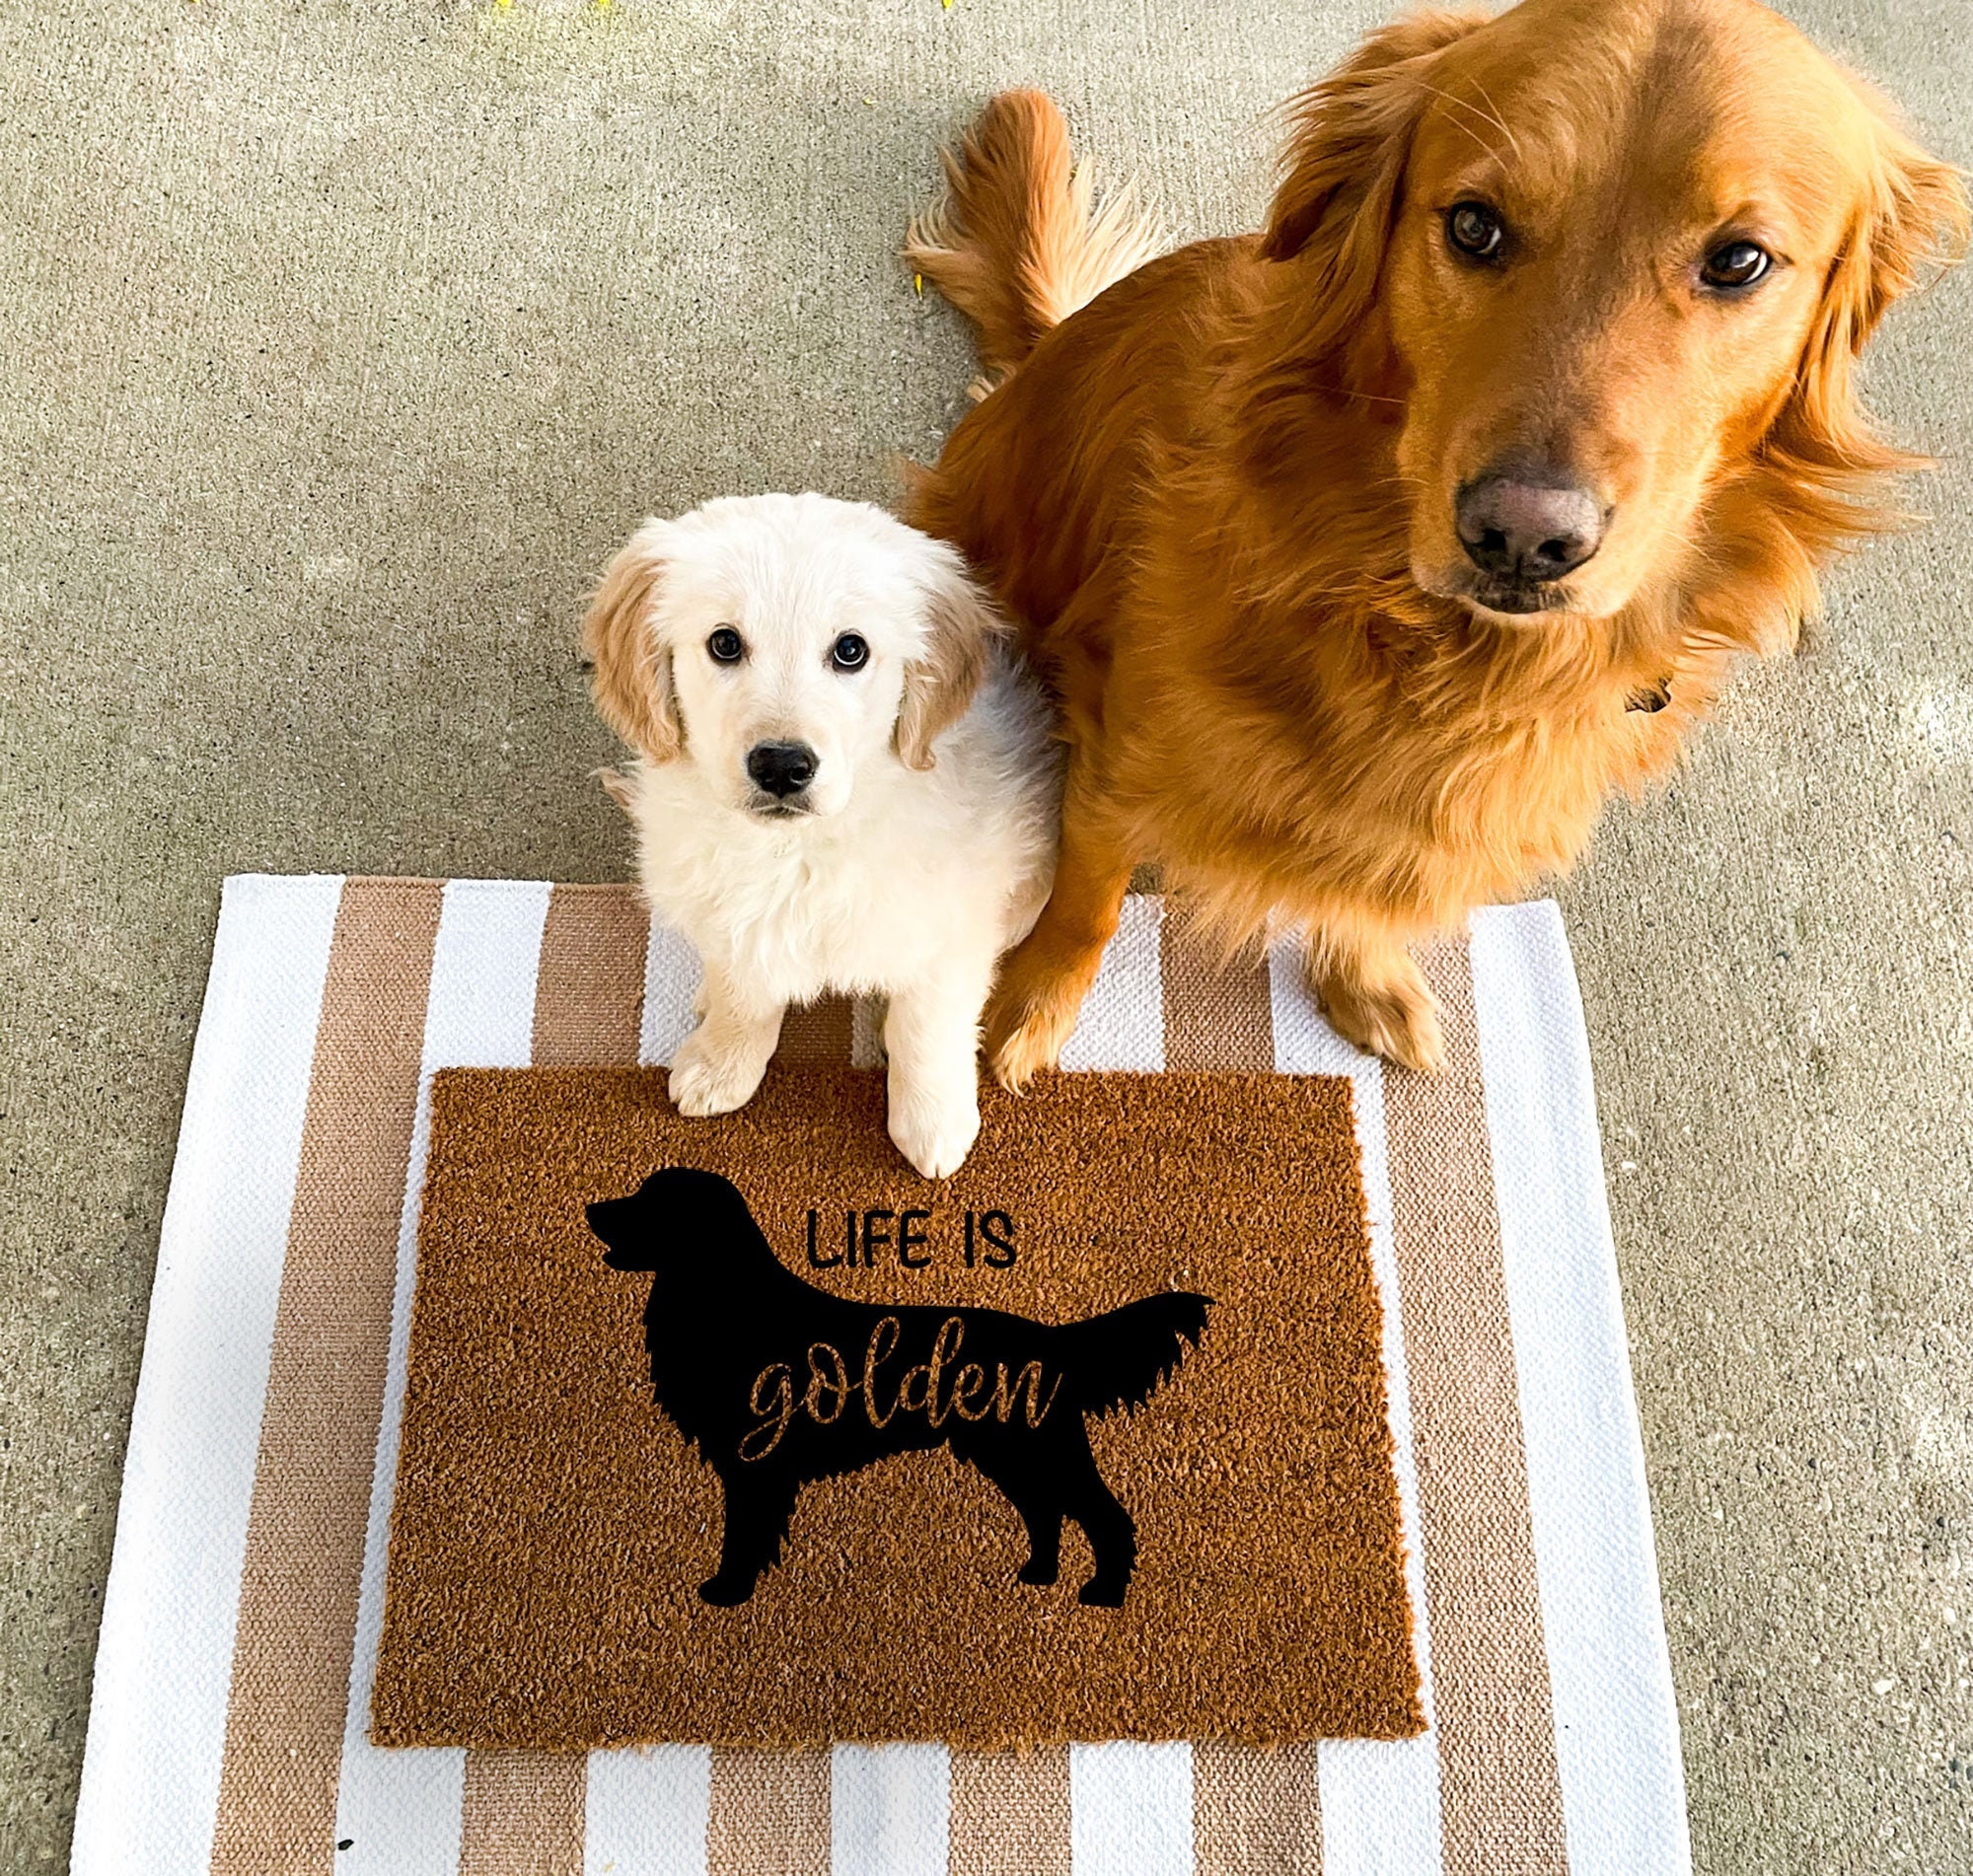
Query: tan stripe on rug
{"x": 768, "y": 1811}
{"x": 1010, "y": 1813}
{"x": 1500, "y": 1798}
{"x": 522, "y": 1812}
{"x": 1256, "y": 1811}
{"x": 817, "y": 1032}
{"x": 326, "y": 1376}
{"x": 589, "y": 997}
{"x": 768, "y": 1814}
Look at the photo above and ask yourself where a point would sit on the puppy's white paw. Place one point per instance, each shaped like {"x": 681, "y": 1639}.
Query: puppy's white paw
{"x": 707, "y": 1079}
{"x": 935, "y": 1137}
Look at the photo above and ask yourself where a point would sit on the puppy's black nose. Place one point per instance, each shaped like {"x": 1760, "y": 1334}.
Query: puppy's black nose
{"x": 1527, "y": 526}
{"x": 781, "y": 770}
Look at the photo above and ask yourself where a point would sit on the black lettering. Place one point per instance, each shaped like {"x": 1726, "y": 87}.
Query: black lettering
{"x": 814, "y": 1256}
{"x": 1002, "y": 1240}
{"x": 910, "y": 1236}
{"x": 872, "y": 1236}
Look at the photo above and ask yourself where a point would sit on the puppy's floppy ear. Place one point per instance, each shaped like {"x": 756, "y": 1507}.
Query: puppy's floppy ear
{"x": 1348, "y": 143}
{"x": 961, "y": 627}
{"x": 632, "y": 673}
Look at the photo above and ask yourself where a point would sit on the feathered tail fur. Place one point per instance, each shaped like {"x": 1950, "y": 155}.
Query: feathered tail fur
{"x": 1019, "y": 241}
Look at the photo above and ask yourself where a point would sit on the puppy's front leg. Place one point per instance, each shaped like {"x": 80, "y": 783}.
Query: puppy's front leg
{"x": 720, "y": 1063}
{"x": 932, "y": 1034}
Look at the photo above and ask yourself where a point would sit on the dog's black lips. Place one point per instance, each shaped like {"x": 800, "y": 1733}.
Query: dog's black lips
{"x": 1518, "y": 598}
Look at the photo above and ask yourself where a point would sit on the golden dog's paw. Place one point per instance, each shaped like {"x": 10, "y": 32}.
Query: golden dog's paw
{"x": 1033, "y": 1011}
{"x": 707, "y": 1079}
{"x": 1397, "y": 1020}
{"x": 1029, "y": 1041}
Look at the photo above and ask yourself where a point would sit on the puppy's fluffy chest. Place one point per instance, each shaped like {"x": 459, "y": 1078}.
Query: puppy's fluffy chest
{"x": 918, "y": 868}
{"x": 801, "y": 905}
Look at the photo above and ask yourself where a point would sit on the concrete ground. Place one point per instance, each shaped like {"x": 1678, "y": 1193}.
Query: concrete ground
{"x": 343, "y": 342}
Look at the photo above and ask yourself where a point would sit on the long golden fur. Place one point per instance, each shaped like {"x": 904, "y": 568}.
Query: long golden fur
{"x": 1220, "y": 497}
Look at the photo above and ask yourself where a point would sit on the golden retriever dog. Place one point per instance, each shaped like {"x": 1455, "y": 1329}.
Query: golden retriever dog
{"x": 1367, "y": 555}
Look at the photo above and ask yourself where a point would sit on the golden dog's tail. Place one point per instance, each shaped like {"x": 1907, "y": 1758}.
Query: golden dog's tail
{"x": 1019, "y": 241}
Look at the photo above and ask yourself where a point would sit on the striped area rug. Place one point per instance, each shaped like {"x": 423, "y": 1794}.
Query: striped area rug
{"x": 242, "y": 1618}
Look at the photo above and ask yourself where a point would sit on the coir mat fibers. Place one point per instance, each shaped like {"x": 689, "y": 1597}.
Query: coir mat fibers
{"x": 913, "y": 1378}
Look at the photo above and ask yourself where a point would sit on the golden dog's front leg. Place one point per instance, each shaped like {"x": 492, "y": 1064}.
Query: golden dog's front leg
{"x": 1044, "y": 979}
{"x": 1372, "y": 993}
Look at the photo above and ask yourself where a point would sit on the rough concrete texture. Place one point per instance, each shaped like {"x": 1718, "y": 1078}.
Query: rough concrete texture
{"x": 342, "y": 344}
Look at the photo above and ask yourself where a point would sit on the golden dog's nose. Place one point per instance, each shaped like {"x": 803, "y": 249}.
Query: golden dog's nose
{"x": 1522, "y": 528}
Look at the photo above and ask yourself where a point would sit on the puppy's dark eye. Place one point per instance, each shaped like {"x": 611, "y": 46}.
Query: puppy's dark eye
{"x": 726, "y": 646}
{"x": 1735, "y": 264}
{"x": 1475, "y": 230}
{"x": 850, "y": 653}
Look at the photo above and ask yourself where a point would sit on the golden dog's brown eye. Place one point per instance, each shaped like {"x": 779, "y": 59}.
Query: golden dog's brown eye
{"x": 850, "y": 653}
{"x": 726, "y": 646}
{"x": 1474, "y": 229}
{"x": 1735, "y": 264}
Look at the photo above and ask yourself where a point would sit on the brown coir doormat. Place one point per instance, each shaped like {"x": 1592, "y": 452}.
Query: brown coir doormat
{"x": 1087, "y": 1442}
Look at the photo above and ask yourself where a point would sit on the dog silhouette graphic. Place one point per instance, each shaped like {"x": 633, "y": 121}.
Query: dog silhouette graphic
{"x": 779, "y": 1384}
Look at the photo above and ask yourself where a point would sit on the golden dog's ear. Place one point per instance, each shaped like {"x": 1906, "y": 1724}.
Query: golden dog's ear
{"x": 1917, "y": 223}
{"x": 1912, "y": 217}
{"x": 1344, "y": 169}
{"x": 962, "y": 625}
{"x": 631, "y": 674}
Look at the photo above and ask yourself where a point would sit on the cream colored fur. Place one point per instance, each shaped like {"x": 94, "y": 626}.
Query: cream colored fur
{"x": 902, "y": 879}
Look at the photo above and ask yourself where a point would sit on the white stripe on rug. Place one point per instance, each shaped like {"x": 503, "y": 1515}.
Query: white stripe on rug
{"x": 1130, "y": 1809}
{"x": 670, "y": 981}
{"x": 1379, "y": 1797}
{"x": 164, "y": 1662}
{"x": 1122, "y": 1019}
{"x": 1616, "y": 1723}
{"x": 648, "y": 1811}
{"x": 653, "y": 1809}
{"x": 1129, "y": 1804}
{"x": 648, "y": 1808}
{"x": 889, "y": 1810}
{"x": 399, "y": 1810}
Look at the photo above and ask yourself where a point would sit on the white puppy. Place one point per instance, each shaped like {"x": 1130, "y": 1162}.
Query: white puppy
{"x": 842, "y": 785}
